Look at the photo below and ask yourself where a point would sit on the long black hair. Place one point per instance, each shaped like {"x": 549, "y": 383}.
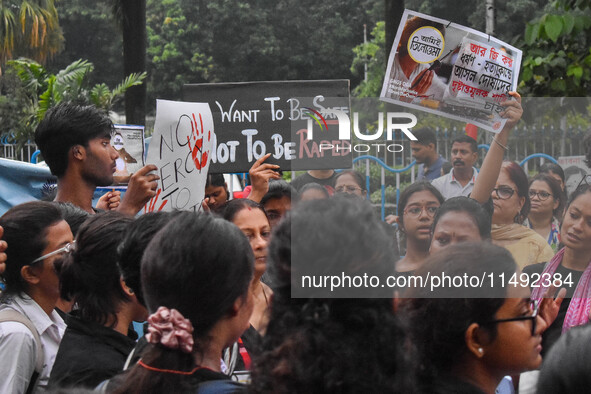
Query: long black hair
{"x": 199, "y": 265}
{"x": 25, "y": 229}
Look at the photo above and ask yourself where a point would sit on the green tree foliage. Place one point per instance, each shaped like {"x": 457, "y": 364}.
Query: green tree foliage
{"x": 557, "y": 51}
{"x": 373, "y": 54}
{"x": 28, "y": 90}
{"x": 29, "y": 28}
{"x": 90, "y": 33}
{"x": 176, "y": 42}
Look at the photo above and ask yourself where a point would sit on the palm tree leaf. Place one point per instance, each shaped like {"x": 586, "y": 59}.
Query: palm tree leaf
{"x": 132, "y": 79}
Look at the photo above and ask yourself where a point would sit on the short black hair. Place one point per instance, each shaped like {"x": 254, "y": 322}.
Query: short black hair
{"x": 215, "y": 180}
{"x": 67, "y": 125}
{"x": 25, "y": 228}
{"x": 278, "y": 189}
{"x": 471, "y": 207}
{"x": 462, "y": 138}
{"x": 425, "y": 136}
{"x": 134, "y": 243}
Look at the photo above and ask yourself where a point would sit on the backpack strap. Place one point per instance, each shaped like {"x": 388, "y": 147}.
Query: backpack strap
{"x": 10, "y": 315}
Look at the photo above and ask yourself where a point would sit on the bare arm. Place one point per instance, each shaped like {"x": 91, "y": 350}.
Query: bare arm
{"x": 491, "y": 166}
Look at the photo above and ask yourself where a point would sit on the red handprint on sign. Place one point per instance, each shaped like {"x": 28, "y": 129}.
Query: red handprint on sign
{"x": 151, "y": 205}
{"x": 198, "y": 155}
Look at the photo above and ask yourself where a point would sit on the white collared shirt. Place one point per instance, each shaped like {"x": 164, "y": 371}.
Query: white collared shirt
{"x": 449, "y": 187}
{"x": 18, "y": 350}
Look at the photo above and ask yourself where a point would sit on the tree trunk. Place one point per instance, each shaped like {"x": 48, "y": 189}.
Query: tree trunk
{"x": 134, "y": 57}
{"x": 394, "y": 11}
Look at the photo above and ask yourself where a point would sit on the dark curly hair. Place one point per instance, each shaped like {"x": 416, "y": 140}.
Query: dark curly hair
{"x": 329, "y": 345}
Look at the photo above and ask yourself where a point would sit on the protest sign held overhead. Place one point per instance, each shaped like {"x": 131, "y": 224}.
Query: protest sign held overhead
{"x": 128, "y": 141}
{"x": 450, "y": 70}
{"x": 256, "y": 118}
{"x": 181, "y": 148}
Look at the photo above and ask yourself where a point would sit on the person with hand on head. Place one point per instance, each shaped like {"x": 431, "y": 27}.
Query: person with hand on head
{"x": 75, "y": 143}
{"x": 216, "y": 192}
{"x": 38, "y": 239}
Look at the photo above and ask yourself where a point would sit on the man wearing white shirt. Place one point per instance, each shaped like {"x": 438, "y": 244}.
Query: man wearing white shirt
{"x": 37, "y": 238}
{"x": 460, "y": 180}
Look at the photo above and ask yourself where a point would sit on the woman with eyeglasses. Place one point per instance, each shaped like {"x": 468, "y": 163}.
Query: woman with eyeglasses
{"x": 511, "y": 206}
{"x": 417, "y": 206}
{"x": 350, "y": 182}
{"x": 38, "y": 238}
{"x": 468, "y": 338}
{"x": 547, "y": 204}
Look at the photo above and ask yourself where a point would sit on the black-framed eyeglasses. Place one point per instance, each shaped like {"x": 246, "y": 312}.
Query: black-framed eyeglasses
{"x": 416, "y": 211}
{"x": 534, "y": 307}
{"x": 504, "y": 192}
{"x": 66, "y": 249}
{"x": 542, "y": 195}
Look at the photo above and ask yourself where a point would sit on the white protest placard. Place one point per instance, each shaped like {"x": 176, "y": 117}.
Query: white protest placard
{"x": 181, "y": 149}
{"x": 450, "y": 70}
{"x": 128, "y": 141}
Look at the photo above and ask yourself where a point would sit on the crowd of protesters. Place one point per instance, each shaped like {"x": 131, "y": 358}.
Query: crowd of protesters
{"x": 214, "y": 298}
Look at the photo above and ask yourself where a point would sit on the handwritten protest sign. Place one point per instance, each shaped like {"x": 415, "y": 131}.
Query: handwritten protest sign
{"x": 450, "y": 70}
{"x": 256, "y": 118}
{"x": 181, "y": 148}
{"x": 128, "y": 141}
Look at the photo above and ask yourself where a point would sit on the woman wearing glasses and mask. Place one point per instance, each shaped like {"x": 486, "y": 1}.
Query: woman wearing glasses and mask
{"x": 469, "y": 338}
{"x": 38, "y": 238}
{"x": 417, "y": 206}
{"x": 547, "y": 204}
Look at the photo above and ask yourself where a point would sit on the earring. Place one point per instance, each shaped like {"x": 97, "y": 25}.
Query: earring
{"x": 480, "y": 350}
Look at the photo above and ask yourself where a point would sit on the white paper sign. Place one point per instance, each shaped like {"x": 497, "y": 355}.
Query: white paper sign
{"x": 450, "y": 70}
{"x": 181, "y": 149}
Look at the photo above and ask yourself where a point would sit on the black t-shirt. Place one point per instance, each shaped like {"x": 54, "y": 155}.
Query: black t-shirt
{"x": 552, "y": 333}
{"x": 306, "y": 178}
